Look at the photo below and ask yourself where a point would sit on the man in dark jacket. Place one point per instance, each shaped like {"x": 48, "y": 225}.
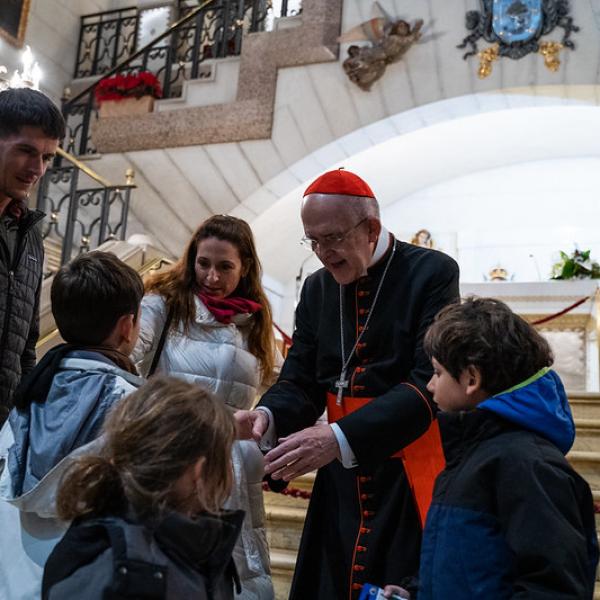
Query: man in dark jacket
{"x": 31, "y": 127}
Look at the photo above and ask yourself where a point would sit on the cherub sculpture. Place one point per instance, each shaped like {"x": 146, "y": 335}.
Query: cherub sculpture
{"x": 390, "y": 39}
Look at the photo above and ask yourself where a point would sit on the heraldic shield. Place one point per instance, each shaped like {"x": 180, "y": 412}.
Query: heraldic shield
{"x": 517, "y": 21}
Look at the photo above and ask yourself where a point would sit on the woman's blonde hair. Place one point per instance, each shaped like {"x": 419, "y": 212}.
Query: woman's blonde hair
{"x": 152, "y": 437}
{"x": 178, "y": 285}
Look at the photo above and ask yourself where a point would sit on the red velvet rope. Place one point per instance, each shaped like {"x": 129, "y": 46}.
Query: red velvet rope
{"x": 289, "y": 491}
{"x": 287, "y": 340}
{"x": 562, "y": 312}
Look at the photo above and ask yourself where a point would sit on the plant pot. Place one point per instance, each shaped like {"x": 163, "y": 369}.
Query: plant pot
{"x": 127, "y": 107}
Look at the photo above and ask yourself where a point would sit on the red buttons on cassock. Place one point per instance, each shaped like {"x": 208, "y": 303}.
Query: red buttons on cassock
{"x": 364, "y": 530}
{"x": 357, "y": 586}
{"x": 358, "y": 568}
{"x": 363, "y": 311}
{"x": 364, "y": 478}
{"x": 368, "y": 513}
{"x": 361, "y": 548}
{"x": 365, "y": 496}
{"x": 363, "y": 293}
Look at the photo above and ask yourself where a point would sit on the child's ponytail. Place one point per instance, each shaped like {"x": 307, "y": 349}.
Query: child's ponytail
{"x": 92, "y": 486}
{"x": 150, "y": 439}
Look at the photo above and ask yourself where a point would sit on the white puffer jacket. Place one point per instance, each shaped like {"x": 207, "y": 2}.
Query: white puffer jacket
{"x": 216, "y": 357}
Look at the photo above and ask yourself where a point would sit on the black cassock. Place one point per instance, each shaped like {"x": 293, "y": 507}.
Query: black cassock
{"x": 362, "y": 523}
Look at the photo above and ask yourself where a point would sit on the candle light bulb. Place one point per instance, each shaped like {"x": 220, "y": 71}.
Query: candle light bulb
{"x": 16, "y": 81}
{"x": 27, "y": 62}
{"x": 36, "y": 75}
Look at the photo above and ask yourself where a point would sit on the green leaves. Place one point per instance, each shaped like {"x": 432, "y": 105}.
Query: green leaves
{"x": 577, "y": 266}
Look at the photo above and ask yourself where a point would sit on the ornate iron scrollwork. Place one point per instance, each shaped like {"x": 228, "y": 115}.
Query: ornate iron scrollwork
{"x": 81, "y": 219}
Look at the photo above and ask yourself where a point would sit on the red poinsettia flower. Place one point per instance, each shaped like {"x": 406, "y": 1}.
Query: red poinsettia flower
{"x": 128, "y": 85}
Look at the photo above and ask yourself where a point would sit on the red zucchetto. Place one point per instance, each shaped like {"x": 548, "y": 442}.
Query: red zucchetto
{"x": 341, "y": 183}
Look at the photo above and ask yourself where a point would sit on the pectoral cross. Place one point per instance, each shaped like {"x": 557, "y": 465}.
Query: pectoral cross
{"x": 341, "y": 384}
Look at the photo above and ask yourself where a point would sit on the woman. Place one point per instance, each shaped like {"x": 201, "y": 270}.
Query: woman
{"x": 146, "y": 509}
{"x": 219, "y": 334}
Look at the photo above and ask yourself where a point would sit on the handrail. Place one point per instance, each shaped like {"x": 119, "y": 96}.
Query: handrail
{"x": 90, "y": 172}
{"x": 103, "y": 12}
{"x": 46, "y": 338}
{"x": 154, "y": 265}
{"x": 139, "y": 52}
{"x": 149, "y": 266}
{"x": 82, "y": 167}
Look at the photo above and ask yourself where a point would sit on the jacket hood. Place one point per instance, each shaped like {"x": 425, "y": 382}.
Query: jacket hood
{"x": 539, "y": 404}
{"x": 82, "y": 392}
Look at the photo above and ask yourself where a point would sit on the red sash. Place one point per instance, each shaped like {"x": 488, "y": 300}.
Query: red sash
{"x": 423, "y": 459}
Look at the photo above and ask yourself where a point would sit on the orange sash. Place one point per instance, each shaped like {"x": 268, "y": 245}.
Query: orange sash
{"x": 423, "y": 460}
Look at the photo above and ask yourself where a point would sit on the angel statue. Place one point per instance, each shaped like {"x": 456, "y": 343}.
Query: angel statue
{"x": 390, "y": 39}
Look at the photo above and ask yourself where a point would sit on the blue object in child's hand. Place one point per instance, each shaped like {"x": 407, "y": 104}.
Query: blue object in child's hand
{"x": 372, "y": 592}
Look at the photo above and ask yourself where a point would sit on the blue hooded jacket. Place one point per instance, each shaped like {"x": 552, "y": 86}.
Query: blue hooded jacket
{"x": 37, "y": 445}
{"x": 510, "y": 518}
{"x": 539, "y": 404}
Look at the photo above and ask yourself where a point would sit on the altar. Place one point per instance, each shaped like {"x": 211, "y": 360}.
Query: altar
{"x": 572, "y": 334}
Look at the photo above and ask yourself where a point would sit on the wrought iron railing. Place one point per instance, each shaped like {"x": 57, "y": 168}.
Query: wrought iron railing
{"x": 108, "y": 38}
{"x": 212, "y": 29}
{"x": 105, "y": 40}
{"x": 83, "y": 210}
{"x": 208, "y": 30}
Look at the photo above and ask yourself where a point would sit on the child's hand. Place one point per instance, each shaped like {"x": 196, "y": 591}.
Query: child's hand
{"x": 394, "y": 591}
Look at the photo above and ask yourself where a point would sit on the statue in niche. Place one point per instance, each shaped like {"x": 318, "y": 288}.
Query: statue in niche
{"x": 498, "y": 273}
{"x": 423, "y": 238}
{"x": 390, "y": 40}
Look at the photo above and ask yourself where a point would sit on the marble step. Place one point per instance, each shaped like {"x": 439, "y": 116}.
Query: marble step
{"x": 587, "y": 464}
{"x": 284, "y": 527}
{"x": 283, "y": 563}
{"x": 585, "y": 405}
{"x": 587, "y": 435}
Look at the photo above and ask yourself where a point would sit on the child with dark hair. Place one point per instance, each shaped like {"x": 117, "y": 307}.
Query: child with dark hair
{"x": 60, "y": 407}
{"x": 509, "y": 518}
{"x": 146, "y": 510}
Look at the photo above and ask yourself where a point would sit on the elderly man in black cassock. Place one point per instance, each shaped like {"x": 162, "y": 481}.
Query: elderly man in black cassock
{"x": 357, "y": 352}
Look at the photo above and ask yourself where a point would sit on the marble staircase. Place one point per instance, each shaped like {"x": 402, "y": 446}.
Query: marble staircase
{"x": 285, "y": 514}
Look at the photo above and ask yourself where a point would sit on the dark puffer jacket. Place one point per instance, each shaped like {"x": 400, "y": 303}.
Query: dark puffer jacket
{"x": 175, "y": 558}
{"x": 20, "y": 285}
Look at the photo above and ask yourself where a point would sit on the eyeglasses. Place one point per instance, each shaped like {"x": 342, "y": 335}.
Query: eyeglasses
{"x": 329, "y": 241}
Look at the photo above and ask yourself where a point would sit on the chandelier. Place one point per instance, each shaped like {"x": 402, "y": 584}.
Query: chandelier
{"x": 29, "y": 76}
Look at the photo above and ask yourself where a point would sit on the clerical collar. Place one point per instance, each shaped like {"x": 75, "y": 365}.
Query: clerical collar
{"x": 383, "y": 243}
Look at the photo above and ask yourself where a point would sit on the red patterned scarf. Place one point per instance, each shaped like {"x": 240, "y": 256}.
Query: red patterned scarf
{"x": 224, "y": 309}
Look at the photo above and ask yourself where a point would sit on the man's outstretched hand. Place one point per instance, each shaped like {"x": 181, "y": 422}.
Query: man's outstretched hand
{"x": 302, "y": 452}
{"x": 251, "y": 424}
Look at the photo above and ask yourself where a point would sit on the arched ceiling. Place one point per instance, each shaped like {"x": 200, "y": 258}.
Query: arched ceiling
{"x": 433, "y": 147}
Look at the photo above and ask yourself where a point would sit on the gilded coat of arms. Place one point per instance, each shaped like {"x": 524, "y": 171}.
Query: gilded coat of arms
{"x": 514, "y": 28}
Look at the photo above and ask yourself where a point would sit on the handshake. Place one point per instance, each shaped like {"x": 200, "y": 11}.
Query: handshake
{"x": 291, "y": 456}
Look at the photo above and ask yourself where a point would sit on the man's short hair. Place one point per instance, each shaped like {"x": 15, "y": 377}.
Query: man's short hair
{"x": 20, "y": 107}
{"x": 485, "y": 333}
{"x": 91, "y": 293}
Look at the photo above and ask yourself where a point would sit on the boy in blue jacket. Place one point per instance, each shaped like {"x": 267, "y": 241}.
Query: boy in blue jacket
{"x": 509, "y": 518}
{"x": 60, "y": 407}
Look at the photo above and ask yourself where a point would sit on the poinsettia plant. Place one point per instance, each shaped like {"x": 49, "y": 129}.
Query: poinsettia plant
{"x": 128, "y": 85}
{"x": 578, "y": 265}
